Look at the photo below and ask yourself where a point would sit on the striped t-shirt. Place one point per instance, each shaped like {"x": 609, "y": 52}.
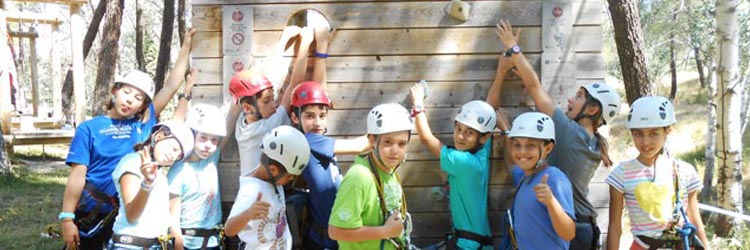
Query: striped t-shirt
{"x": 649, "y": 195}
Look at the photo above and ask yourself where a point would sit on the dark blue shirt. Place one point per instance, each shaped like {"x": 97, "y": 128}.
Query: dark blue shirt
{"x": 323, "y": 178}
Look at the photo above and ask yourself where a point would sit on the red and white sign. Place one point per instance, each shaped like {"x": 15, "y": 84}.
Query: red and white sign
{"x": 237, "y": 30}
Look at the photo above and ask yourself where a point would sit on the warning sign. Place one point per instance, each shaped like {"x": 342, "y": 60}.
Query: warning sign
{"x": 237, "y": 24}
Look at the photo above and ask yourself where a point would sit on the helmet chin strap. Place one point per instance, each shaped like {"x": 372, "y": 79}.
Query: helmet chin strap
{"x": 540, "y": 162}
{"x": 273, "y": 178}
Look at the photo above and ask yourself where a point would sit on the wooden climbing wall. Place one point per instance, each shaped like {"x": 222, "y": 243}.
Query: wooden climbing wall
{"x": 381, "y": 48}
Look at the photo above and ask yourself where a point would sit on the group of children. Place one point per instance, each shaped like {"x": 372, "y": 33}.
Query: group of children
{"x": 120, "y": 194}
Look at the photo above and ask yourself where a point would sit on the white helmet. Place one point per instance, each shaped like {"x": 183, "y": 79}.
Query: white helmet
{"x": 651, "y": 112}
{"x": 287, "y": 146}
{"x": 207, "y": 119}
{"x": 139, "y": 80}
{"x": 181, "y": 132}
{"x": 607, "y": 97}
{"x": 478, "y": 115}
{"x": 388, "y": 117}
{"x": 533, "y": 125}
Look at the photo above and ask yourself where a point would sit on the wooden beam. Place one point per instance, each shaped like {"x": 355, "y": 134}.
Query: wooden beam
{"x": 76, "y": 42}
{"x": 29, "y": 17}
{"x": 34, "y": 75}
{"x": 56, "y": 75}
{"x": 69, "y": 2}
{"x": 24, "y": 34}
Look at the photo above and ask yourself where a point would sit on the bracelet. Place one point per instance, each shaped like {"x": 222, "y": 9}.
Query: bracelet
{"x": 320, "y": 55}
{"x": 417, "y": 109}
{"x": 66, "y": 216}
{"x": 187, "y": 96}
{"x": 146, "y": 187}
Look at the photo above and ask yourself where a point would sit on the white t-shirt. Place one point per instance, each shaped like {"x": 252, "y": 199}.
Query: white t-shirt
{"x": 271, "y": 232}
{"x": 154, "y": 220}
{"x": 249, "y": 138}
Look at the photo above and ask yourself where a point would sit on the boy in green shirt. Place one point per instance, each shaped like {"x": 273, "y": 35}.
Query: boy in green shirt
{"x": 370, "y": 207}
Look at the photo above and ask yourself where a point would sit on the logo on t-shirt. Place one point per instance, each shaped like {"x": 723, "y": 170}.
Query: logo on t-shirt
{"x": 344, "y": 215}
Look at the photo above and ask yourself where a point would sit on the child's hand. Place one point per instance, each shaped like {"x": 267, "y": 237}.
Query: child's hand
{"x": 289, "y": 32}
{"x": 543, "y": 192}
{"x": 259, "y": 209}
{"x": 505, "y": 64}
{"x": 505, "y": 33}
{"x": 394, "y": 226}
{"x": 307, "y": 35}
{"x": 149, "y": 171}
{"x": 189, "y": 36}
{"x": 189, "y": 81}
{"x": 417, "y": 94}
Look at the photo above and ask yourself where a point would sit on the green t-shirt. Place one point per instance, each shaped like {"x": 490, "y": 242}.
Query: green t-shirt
{"x": 357, "y": 203}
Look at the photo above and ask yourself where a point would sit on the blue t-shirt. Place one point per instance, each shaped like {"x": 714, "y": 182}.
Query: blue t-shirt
{"x": 197, "y": 184}
{"x": 323, "y": 178}
{"x": 99, "y": 144}
{"x": 468, "y": 175}
{"x": 533, "y": 225}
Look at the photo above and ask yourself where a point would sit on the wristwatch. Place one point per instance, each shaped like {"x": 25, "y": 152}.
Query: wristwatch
{"x": 515, "y": 49}
{"x": 188, "y": 96}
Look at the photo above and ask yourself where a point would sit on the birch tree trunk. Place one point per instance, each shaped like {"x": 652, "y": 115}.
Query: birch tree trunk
{"x": 108, "y": 56}
{"x": 626, "y": 21}
{"x": 728, "y": 138}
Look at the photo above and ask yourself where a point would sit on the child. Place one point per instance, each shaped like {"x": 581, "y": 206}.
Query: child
{"x": 467, "y": 166}
{"x": 648, "y": 186}
{"x": 195, "y": 201}
{"x": 90, "y": 195}
{"x": 579, "y": 148}
{"x": 258, "y": 215}
{"x": 370, "y": 204}
{"x": 254, "y": 94}
{"x": 310, "y": 106}
{"x": 143, "y": 215}
{"x": 543, "y": 207}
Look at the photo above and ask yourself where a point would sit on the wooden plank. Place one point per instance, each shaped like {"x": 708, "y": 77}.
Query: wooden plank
{"x": 413, "y": 68}
{"x": 30, "y": 17}
{"x": 421, "y": 14}
{"x": 34, "y": 76}
{"x": 409, "y": 41}
{"x": 69, "y": 2}
{"x": 79, "y": 81}
{"x": 441, "y": 94}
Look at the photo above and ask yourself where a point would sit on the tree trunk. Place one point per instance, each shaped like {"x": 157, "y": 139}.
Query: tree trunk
{"x": 708, "y": 194}
{"x": 181, "y": 19}
{"x": 139, "y": 57}
{"x": 672, "y": 67}
{"x": 626, "y": 21}
{"x": 699, "y": 67}
{"x": 728, "y": 141}
{"x": 108, "y": 56}
{"x": 165, "y": 44}
{"x": 88, "y": 40}
{"x": 5, "y": 167}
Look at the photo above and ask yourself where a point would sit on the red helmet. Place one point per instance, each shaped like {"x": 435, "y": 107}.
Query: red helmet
{"x": 248, "y": 83}
{"x": 307, "y": 93}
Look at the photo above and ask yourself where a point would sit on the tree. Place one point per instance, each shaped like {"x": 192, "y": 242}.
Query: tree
{"x": 165, "y": 44}
{"x": 181, "y": 19}
{"x": 629, "y": 40}
{"x": 139, "y": 57}
{"x": 88, "y": 40}
{"x": 728, "y": 139}
{"x": 108, "y": 56}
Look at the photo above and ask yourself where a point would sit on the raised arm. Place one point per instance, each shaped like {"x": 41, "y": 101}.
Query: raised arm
{"x": 182, "y": 104}
{"x": 232, "y": 116}
{"x": 504, "y": 65}
{"x": 176, "y": 74}
{"x": 351, "y": 146}
{"x": 423, "y": 127}
{"x": 322, "y": 37}
{"x": 504, "y": 126}
{"x": 300, "y": 66}
{"x": 524, "y": 70}
{"x": 275, "y": 67}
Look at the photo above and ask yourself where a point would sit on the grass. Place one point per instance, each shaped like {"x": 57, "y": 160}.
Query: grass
{"x": 30, "y": 201}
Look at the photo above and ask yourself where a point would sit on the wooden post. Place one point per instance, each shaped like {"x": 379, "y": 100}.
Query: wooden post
{"x": 76, "y": 41}
{"x": 34, "y": 75}
{"x": 56, "y": 75}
